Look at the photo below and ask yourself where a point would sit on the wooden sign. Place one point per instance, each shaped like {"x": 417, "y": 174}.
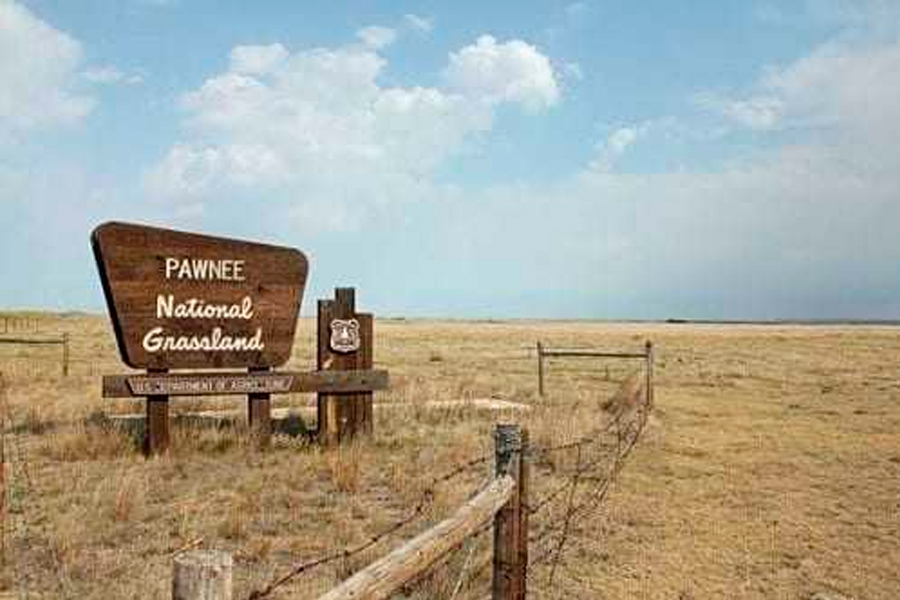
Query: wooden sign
{"x": 183, "y": 300}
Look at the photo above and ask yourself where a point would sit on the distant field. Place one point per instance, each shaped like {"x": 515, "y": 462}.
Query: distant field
{"x": 770, "y": 468}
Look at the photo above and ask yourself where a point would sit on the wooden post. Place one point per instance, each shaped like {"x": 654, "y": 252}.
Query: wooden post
{"x": 510, "y": 522}
{"x": 156, "y": 436}
{"x": 65, "y": 361}
{"x": 649, "y": 373}
{"x": 343, "y": 416}
{"x": 202, "y": 575}
{"x": 259, "y": 415}
{"x": 540, "y": 368}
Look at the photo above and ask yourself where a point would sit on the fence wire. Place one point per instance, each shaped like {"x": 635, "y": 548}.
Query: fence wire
{"x": 17, "y": 488}
{"x": 418, "y": 510}
{"x": 598, "y": 459}
{"x": 556, "y": 515}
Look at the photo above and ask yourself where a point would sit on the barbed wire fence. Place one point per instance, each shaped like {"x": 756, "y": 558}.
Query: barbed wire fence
{"x": 559, "y": 515}
{"x": 570, "y": 483}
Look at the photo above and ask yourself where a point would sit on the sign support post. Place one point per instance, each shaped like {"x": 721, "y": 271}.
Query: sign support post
{"x": 259, "y": 414}
{"x": 156, "y": 436}
{"x": 344, "y": 343}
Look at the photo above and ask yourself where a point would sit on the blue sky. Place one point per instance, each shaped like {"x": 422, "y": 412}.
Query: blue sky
{"x": 594, "y": 159}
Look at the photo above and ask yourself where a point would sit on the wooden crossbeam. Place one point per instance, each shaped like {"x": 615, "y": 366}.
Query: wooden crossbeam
{"x": 591, "y": 353}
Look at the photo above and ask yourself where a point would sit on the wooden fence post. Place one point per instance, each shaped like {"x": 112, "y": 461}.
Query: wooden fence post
{"x": 344, "y": 415}
{"x": 649, "y": 373}
{"x": 540, "y": 368}
{"x": 511, "y": 522}
{"x": 65, "y": 361}
{"x": 202, "y": 575}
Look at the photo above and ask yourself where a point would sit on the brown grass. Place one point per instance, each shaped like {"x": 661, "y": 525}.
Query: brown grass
{"x": 771, "y": 468}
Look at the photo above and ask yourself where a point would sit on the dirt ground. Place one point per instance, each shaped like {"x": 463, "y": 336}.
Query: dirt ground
{"x": 770, "y": 467}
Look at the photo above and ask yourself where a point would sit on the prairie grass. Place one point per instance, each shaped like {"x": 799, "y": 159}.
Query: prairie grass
{"x": 770, "y": 468}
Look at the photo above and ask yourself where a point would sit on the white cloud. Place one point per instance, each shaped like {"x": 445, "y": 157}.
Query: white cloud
{"x": 377, "y": 37}
{"x": 107, "y": 74}
{"x": 848, "y": 88}
{"x": 253, "y": 60}
{"x": 616, "y": 145}
{"x": 417, "y": 23}
{"x": 38, "y": 71}
{"x": 110, "y": 74}
{"x": 762, "y": 112}
{"x": 856, "y": 89}
{"x": 513, "y": 71}
{"x": 316, "y": 126}
{"x": 190, "y": 171}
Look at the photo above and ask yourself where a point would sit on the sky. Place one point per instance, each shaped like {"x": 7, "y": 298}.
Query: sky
{"x": 730, "y": 159}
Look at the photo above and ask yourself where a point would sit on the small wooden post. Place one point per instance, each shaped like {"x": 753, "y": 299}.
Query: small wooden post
{"x": 649, "y": 373}
{"x": 156, "y": 436}
{"x": 65, "y": 361}
{"x": 540, "y": 368}
{"x": 259, "y": 415}
{"x": 343, "y": 416}
{"x": 510, "y": 522}
{"x": 202, "y": 575}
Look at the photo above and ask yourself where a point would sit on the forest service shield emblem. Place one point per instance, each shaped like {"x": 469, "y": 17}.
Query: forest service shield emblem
{"x": 345, "y": 335}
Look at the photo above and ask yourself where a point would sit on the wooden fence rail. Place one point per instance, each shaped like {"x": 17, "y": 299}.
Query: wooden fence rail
{"x": 62, "y": 340}
{"x": 385, "y": 576}
{"x": 544, "y": 353}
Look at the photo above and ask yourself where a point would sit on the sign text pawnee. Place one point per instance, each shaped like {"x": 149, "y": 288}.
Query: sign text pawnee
{"x": 182, "y": 300}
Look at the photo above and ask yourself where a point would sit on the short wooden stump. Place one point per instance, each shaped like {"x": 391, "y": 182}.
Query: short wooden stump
{"x": 202, "y": 575}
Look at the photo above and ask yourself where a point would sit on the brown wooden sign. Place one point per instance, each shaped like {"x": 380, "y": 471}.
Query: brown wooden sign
{"x": 183, "y": 300}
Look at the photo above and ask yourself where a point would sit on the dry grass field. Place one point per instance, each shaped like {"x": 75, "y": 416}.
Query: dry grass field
{"x": 769, "y": 469}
